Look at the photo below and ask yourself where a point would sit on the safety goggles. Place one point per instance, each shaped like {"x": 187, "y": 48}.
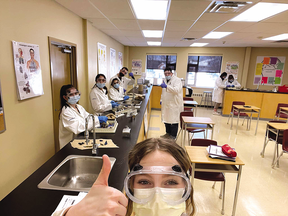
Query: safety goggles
{"x": 71, "y": 94}
{"x": 170, "y": 183}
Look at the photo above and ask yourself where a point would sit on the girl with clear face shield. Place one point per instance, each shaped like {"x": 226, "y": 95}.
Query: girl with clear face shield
{"x": 157, "y": 185}
{"x": 116, "y": 92}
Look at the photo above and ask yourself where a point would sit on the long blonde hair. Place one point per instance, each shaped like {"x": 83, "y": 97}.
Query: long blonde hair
{"x": 166, "y": 145}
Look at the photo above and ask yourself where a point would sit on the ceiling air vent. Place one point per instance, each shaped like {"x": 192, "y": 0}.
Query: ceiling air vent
{"x": 188, "y": 39}
{"x": 281, "y": 41}
{"x": 227, "y": 6}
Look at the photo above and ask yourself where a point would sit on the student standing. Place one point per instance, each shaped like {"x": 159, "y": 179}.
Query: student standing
{"x": 124, "y": 81}
{"x": 172, "y": 103}
{"x": 217, "y": 96}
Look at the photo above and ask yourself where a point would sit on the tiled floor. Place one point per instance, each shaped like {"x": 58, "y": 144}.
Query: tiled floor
{"x": 263, "y": 190}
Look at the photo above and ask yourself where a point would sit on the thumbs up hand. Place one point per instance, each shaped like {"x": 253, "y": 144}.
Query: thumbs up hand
{"x": 163, "y": 85}
{"x": 101, "y": 199}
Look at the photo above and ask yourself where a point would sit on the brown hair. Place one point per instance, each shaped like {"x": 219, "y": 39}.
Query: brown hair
{"x": 166, "y": 145}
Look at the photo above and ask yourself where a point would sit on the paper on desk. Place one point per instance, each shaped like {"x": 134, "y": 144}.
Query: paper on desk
{"x": 100, "y": 142}
{"x": 68, "y": 200}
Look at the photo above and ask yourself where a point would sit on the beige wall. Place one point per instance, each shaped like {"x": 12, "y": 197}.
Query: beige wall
{"x": 262, "y": 51}
{"x": 28, "y": 141}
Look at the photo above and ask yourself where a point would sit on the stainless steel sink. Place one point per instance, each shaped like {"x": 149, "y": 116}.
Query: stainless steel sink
{"x": 74, "y": 173}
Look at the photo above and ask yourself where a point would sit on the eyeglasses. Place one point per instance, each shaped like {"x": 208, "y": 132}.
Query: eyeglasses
{"x": 167, "y": 73}
{"x": 74, "y": 94}
{"x": 101, "y": 80}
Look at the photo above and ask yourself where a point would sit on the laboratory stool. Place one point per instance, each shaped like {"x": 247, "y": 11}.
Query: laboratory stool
{"x": 206, "y": 99}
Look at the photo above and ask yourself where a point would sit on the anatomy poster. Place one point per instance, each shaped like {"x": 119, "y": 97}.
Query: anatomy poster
{"x": 269, "y": 70}
{"x": 232, "y": 68}
{"x": 112, "y": 63}
{"x": 102, "y": 59}
{"x": 27, "y": 69}
{"x": 120, "y": 58}
{"x": 137, "y": 66}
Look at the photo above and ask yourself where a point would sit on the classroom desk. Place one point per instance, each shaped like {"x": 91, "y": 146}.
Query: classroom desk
{"x": 196, "y": 123}
{"x": 251, "y": 110}
{"x": 275, "y": 128}
{"x": 194, "y": 103}
{"x": 283, "y": 110}
{"x": 202, "y": 162}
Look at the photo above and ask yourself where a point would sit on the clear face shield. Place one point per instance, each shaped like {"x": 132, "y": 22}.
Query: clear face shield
{"x": 158, "y": 190}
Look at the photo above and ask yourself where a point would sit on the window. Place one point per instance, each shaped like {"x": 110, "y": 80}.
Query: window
{"x": 202, "y": 71}
{"x": 155, "y": 65}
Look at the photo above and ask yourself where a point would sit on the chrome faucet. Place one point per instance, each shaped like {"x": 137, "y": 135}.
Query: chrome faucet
{"x": 260, "y": 82}
{"x": 94, "y": 149}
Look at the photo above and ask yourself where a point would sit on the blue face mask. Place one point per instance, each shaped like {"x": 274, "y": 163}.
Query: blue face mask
{"x": 100, "y": 85}
{"x": 116, "y": 85}
{"x": 74, "y": 99}
{"x": 168, "y": 77}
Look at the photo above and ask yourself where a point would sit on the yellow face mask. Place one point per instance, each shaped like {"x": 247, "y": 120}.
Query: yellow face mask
{"x": 157, "y": 206}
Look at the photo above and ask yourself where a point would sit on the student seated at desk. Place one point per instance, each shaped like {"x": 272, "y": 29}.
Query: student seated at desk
{"x": 99, "y": 96}
{"x": 158, "y": 184}
{"x": 116, "y": 92}
{"x": 231, "y": 82}
{"x": 72, "y": 115}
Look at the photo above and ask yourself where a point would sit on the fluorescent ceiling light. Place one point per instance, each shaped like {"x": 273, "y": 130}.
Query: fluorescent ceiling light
{"x": 260, "y": 11}
{"x": 153, "y": 43}
{"x": 149, "y": 9}
{"x": 152, "y": 33}
{"x": 216, "y": 35}
{"x": 277, "y": 37}
{"x": 198, "y": 44}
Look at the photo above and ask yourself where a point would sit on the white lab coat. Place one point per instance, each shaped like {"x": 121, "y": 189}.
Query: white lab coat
{"x": 172, "y": 100}
{"x": 124, "y": 82}
{"x": 116, "y": 95}
{"x": 99, "y": 100}
{"x": 218, "y": 90}
{"x": 235, "y": 83}
{"x": 72, "y": 122}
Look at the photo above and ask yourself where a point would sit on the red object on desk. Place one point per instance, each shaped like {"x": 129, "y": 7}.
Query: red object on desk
{"x": 227, "y": 150}
{"x": 283, "y": 88}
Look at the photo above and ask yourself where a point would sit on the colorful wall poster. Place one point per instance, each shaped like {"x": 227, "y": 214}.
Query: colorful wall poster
{"x": 120, "y": 58}
{"x": 232, "y": 68}
{"x": 27, "y": 69}
{"x": 112, "y": 63}
{"x": 102, "y": 59}
{"x": 269, "y": 70}
{"x": 137, "y": 66}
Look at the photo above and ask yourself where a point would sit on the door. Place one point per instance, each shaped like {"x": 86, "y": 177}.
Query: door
{"x": 63, "y": 72}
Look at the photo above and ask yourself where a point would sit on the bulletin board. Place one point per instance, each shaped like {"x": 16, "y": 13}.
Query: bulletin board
{"x": 269, "y": 70}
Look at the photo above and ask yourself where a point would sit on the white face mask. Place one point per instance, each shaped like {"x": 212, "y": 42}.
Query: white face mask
{"x": 157, "y": 206}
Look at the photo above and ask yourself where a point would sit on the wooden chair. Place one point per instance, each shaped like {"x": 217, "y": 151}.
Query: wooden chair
{"x": 284, "y": 147}
{"x": 210, "y": 176}
{"x": 188, "y": 107}
{"x": 236, "y": 112}
{"x": 281, "y": 115}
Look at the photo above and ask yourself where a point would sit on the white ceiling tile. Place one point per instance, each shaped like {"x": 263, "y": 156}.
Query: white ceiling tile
{"x": 238, "y": 36}
{"x": 178, "y": 25}
{"x": 137, "y": 39}
{"x": 234, "y": 26}
{"x": 187, "y": 10}
{"x": 216, "y": 17}
{"x": 168, "y": 44}
{"x": 112, "y": 32}
{"x": 151, "y": 24}
{"x": 174, "y": 34}
{"x": 266, "y": 27}
{"x": 278, "y": 18}
{"x": 141, "y": 44}
{"x": 82, "y": 8}
{"x": 125, "y": 24}
{"x": 196, "y": 34}
{"x": 206, "y": 25}
{"x": 102, "y": 23}
{"x": 131, "y": 33}
{"x": 118, "y": 9}
{"x": 171, "y": 40}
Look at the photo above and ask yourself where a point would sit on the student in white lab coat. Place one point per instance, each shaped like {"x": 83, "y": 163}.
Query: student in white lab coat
{"x": 99, "y": 96}
{"x": 172, "y": 103}
{"x": 116, "y": 92}
{"x": 217, "y": 96}
{"x": 231, "y": 82}
{"x": 72, "y": 115}
{"x": 124, "y": 81}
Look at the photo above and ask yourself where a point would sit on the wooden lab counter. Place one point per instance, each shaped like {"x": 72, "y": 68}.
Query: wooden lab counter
{"x": 266, "y": 100}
